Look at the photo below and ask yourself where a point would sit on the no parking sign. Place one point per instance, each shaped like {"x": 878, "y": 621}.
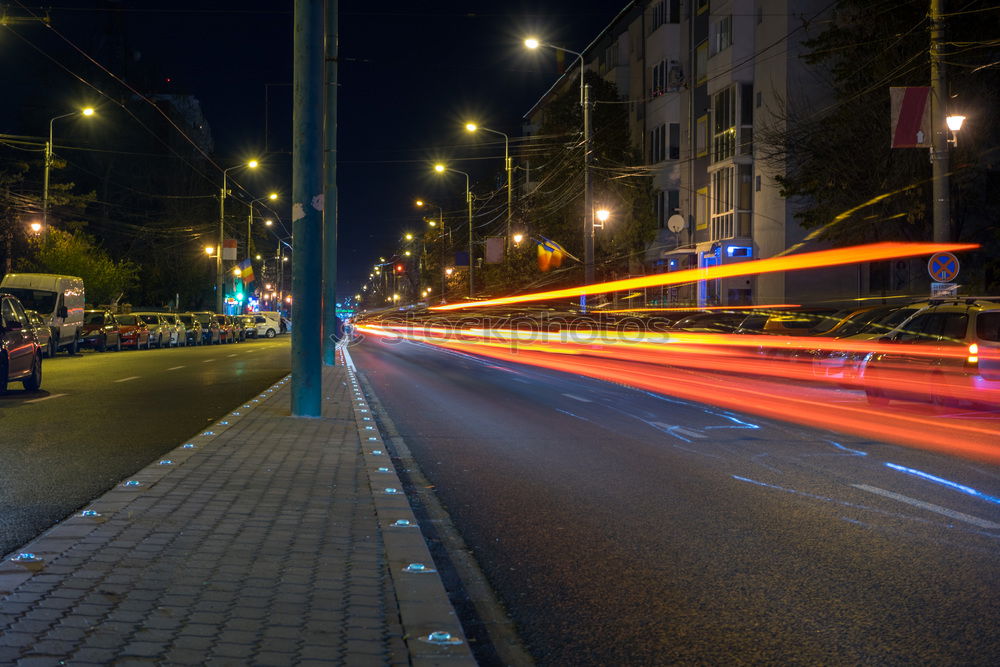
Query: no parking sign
{"x": 943, "y": 267}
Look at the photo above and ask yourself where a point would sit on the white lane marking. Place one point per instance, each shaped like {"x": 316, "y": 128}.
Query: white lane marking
{"x": 676, "y": 430}
{"x": 967, "y": 518}
{"x": 175, "y": 368}
{"x": 207, "y": 360}
{"x": 230, "y": 355}
{"x": 134, "y": 377}
{"x": 44, "y": 398}
{"x": 578, "y": 398}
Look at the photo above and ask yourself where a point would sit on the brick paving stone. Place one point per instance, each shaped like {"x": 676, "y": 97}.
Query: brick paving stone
{"x": 144, "y": 649}
{"x": 272, "y": 659}
{"x": 192, "y": 643}
{"x": 225, "y": 650}
{"x": 262, "y": 548}
{"x": 182, "y": 656}
{"x": 52, "y": 647}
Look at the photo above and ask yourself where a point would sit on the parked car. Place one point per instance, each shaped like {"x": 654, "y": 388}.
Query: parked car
{"x": 180, "y": 337}
{"x": 58, "y": 299}
{"x": 134, "y": 332}
{"x": 42, "y": 332}
{"x": 268, "y": 324}
{"x": 713, "y": 321}
{"x": 194, "y": 331}
{"x": 947, "y": 352}
{"x": 20, "y": 353}
{"x": 227, "y": 333}
{"x": 101, "y": 331}
{"x": 239, "y": 331}
{"x": 161, "y": 332}
{"x": 845, "y": 366}
{"x": 211, "y": 331}
{"x": 249, "y": 323}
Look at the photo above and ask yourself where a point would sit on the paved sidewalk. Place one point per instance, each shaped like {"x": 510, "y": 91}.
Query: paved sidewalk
{"x": 264, "y": 540}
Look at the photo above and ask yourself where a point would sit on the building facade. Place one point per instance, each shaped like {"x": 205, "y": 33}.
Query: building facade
{"x": 703, "y": 80}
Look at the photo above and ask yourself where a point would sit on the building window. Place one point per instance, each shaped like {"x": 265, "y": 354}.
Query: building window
{"x": 701, "y": 209}
{"x": 746, "y": 119}
{"x": 722, "y": 35}
{"x": 657, "y": 79}
{"x": 667, "y": 203}
{"x": 611, "y": 57}
{"x": 674, "y": 141}
{"x": 701, "y": 137}
{"x": 757, "y": 183}
{"x": 658, "y": 144}
{"x": 701, "y": 63}
{"x": 663, "y": 12}
{"x": 723, "y": 125}
{"x": 723, "y": 209}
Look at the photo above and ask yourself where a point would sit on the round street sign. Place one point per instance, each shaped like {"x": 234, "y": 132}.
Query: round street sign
{"x": 943, "y": 267}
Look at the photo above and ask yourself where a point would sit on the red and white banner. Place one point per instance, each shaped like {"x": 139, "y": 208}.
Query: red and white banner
{"x": 229, "y": 249}
{"x": 911, "y": 116}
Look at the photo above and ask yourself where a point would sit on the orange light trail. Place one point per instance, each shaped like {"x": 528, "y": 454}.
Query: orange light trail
{"x": 742, "y": 380}
{"x": 699, "y": 308}
{"x": 810, "y": 260}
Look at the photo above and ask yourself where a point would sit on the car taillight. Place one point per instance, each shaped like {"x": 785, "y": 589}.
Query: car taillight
{"x": 973, "y": 357}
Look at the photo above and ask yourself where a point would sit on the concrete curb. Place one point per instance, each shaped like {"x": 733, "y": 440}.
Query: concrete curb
{"x": 433, "y": 632}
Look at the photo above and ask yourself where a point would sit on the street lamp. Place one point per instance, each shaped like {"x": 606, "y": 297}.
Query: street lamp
{"x": 88, "y": 111}
{"x": 472, "y": 127}
{"x": 588, "y": 189}
{"x": 219, "y": 291}
{"x": 602, "y": 216}
{"x": 440, "y": 168}
{"x": 272, "y": 197}
{"x": 35, "y": 227}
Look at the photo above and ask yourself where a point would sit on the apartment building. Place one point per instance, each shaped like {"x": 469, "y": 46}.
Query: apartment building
{"x": 702, "y": 78}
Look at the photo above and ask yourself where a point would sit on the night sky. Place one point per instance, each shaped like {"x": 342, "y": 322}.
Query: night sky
{"x": 411, "y": 73}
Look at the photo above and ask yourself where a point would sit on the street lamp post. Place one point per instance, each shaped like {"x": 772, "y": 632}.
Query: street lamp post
{"x": 89, "y": 111}
{"x": 421, "y": 203}
{"x": 472, "y": 127}
{"x": 588, "y": 189}
{"x": 273, "y": 196}
{"x": 440, "y": 168}
{"x": 219, "y": 289}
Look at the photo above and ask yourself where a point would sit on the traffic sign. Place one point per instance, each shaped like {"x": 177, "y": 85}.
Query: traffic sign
{"x": 943, "y": 267}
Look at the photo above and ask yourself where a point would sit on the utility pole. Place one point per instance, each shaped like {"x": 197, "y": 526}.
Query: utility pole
{"x": 468, "y": 201}
{"x": 307, "y": 198}
{"x": 940, "y": 158}
{"x": 330, "y": 189}
{"x": 588, "y": 194}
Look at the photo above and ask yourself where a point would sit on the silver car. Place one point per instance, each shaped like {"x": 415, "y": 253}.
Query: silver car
{"x": 42, "y": 333}
{"x": 181, "y": 337}
{"x": 161, "y": 332}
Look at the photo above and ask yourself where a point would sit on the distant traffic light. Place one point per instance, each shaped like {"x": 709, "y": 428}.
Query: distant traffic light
{"x": 400, "y": 268}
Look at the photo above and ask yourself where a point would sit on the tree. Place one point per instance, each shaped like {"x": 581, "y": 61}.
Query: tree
{"x": 837, "y": 160}
{"x": 555, "y": 207}
{"x": 105, "y": 280}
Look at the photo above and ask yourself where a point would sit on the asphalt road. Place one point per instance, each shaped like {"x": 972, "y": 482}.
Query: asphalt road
{"x": 624, "y": 527}
{"x": 101, "y": 416}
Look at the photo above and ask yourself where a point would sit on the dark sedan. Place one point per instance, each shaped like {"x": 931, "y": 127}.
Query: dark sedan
{"x": 100, "y": 331}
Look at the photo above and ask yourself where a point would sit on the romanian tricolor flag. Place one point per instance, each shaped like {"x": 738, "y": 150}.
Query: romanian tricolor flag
{"x": 246, "y": 271}
{"x": 550, "y": 254}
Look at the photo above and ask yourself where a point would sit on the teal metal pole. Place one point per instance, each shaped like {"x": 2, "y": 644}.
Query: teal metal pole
{"x": 307, "y": 216}
{"x": 330, "y": 323}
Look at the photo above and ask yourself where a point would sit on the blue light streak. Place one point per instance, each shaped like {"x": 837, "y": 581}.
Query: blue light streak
{"x": 945, "y": 482}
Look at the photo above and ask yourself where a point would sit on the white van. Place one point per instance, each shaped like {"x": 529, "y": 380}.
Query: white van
{"x": 58, "y": 299}
{"x": 267, "y": 323}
